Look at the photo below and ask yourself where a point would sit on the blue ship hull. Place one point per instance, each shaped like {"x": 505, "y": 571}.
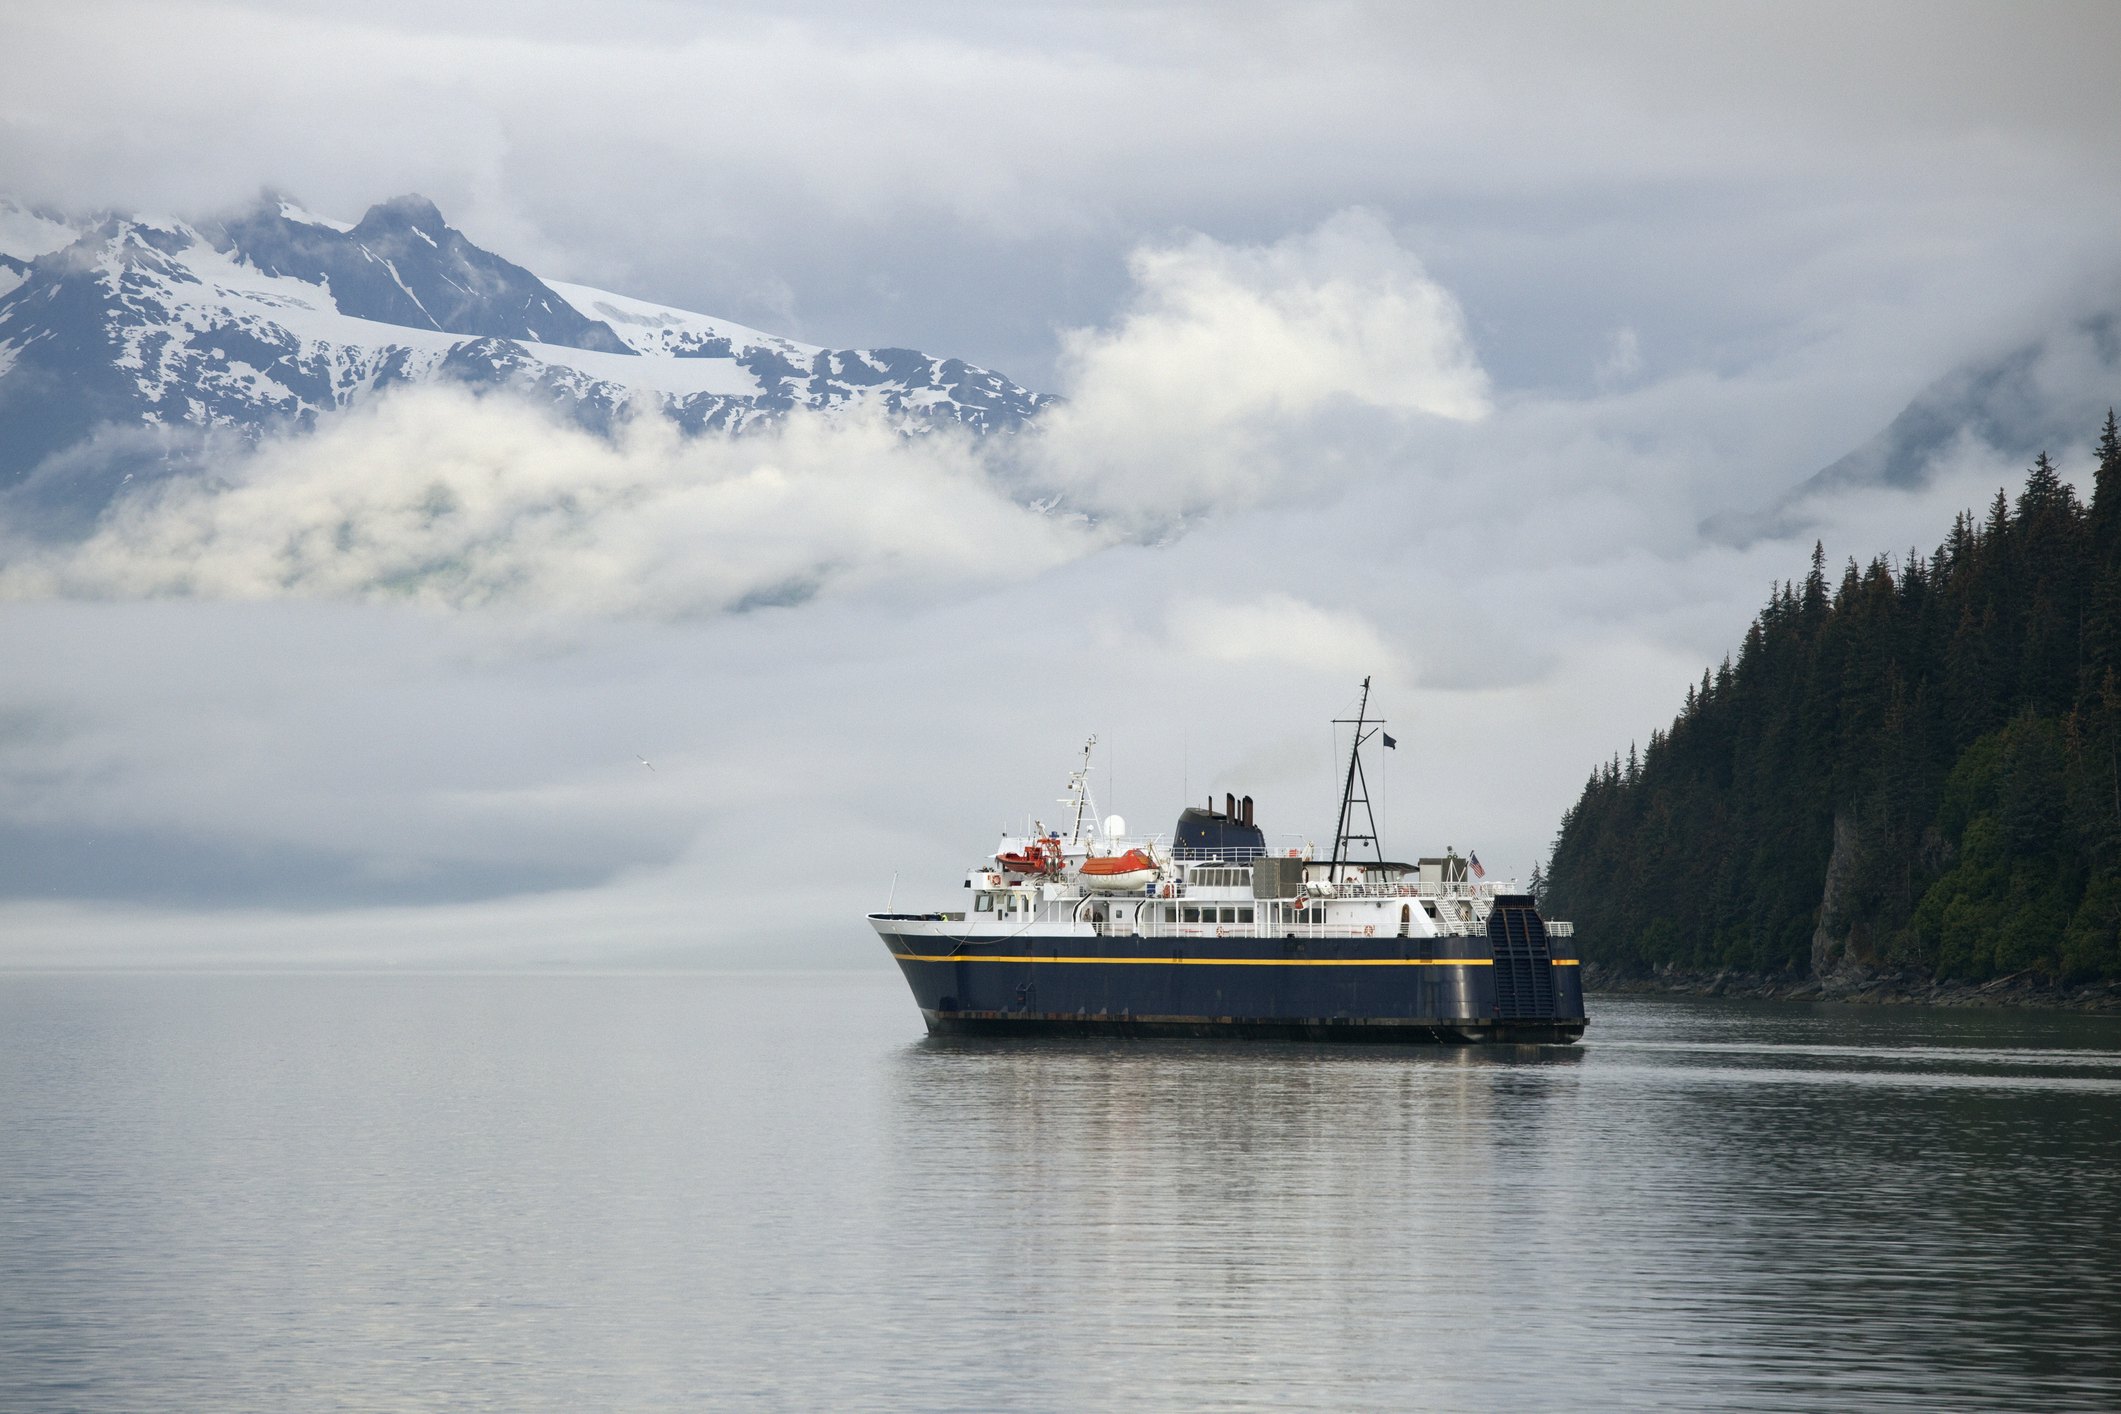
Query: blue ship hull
{"x": 1507, "y": 986}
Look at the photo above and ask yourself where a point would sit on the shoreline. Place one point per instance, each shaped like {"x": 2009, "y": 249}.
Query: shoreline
{"x": 2021, "y": 989}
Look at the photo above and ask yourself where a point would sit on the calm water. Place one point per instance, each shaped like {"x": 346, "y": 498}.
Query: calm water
{"x": 645, "y": 1192}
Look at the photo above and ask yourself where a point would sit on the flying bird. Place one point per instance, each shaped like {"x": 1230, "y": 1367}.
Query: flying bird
{"x": 645, "y": 761}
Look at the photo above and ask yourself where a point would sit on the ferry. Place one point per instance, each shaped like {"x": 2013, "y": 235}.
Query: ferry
{"x": 1210, "y": 932}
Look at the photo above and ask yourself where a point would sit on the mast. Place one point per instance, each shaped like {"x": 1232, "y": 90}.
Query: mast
{"x": 1357, "y": 789}
{"x": 1079, "y": 794}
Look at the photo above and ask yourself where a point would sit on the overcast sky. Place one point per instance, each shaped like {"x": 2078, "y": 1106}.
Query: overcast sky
{"x": 1401, "y": 339}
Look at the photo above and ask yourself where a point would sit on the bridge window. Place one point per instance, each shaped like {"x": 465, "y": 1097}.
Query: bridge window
{"x": 1192, "y": 914}
{"x": 983, "y": 903}
{"x": 1244, "y": 915}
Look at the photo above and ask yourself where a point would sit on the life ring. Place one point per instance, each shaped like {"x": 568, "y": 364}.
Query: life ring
{"x": 1369, "y": 930}
{"x": 993, "y": 880}
{"x": 1222, "y": 932}
{"x": 1299, "y": 904}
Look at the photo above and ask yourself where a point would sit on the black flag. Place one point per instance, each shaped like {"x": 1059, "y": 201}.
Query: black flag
{"x": 1390, "y": 745}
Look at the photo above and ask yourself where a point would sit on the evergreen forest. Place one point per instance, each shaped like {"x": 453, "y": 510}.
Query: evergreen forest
{"x": 1915, "y": 770}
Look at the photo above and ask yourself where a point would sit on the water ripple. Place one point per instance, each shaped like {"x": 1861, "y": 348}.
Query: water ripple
{"x": 548, "y": 1193}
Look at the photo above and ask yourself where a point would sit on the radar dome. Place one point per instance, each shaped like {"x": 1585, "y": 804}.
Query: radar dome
{"x": 1114, "y": 827}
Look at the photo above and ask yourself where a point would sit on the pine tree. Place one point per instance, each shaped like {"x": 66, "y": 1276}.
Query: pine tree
{"x": 2106, "y": 492}
{"x": 2043, "y": 492}
{"x": 1815, "y": 604}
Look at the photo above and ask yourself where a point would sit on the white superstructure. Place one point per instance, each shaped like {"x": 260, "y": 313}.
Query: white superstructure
{"x": 1035, "y": 883}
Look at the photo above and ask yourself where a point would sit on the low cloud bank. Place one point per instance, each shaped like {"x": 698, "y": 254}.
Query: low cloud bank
{"x": 443, "y": 499}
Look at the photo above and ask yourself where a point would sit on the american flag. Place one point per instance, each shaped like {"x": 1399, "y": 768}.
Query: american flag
{"x": 1473, "y": 858}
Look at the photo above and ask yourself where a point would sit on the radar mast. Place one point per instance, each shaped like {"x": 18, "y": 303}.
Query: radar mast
{"x": 1079, "y": 794}
{"x": 1357, "y": 789}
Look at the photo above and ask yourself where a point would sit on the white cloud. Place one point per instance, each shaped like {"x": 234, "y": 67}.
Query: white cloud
{"x": 1219, "y": 332}
{"x": 1214, "y": 385}
{"x": 444, "y": 499}
{"x": 1281, "y": 631}
{"x": 1622, "y": 359}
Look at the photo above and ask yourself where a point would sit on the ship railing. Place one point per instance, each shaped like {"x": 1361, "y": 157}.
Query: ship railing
{"x": 1372, "y": 890}
{"x": 1478, "y": 889}
{"x": 1246, "y": 854}
{"x": 1194, "y": 932}
{"x": 1445, "y": 921}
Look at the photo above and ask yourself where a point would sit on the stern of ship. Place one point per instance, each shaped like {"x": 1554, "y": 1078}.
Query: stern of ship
{"x": 1534, "y": 983}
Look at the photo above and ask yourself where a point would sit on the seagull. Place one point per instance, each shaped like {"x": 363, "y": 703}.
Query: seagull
{"x": 644, "y": 761}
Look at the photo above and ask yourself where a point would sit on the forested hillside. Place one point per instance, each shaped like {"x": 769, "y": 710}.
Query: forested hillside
{"x": 1916, "y": 769}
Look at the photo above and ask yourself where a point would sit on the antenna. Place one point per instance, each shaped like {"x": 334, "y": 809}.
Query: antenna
{"x": 1079, "y": 794}
{"x": 1357, "y": 790}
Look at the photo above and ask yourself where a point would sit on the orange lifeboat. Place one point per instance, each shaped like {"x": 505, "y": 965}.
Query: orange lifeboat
{"x": 1041, "y": 856}
{"x": 1118, "y": 873}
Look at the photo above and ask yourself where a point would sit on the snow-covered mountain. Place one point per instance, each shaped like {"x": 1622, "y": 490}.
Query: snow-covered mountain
{"x": 117, "y": 328}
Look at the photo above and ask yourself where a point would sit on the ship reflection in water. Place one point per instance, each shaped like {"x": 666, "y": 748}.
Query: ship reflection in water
{"x": 1709, "y": 1205}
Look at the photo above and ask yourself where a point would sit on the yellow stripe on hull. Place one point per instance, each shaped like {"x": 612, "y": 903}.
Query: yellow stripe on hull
{"x": 1210, "y": 961}
{"x": 1221, "y": 961}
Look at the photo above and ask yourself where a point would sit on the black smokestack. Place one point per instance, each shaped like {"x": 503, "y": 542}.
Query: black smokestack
{"x": 1248, "y": 812}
